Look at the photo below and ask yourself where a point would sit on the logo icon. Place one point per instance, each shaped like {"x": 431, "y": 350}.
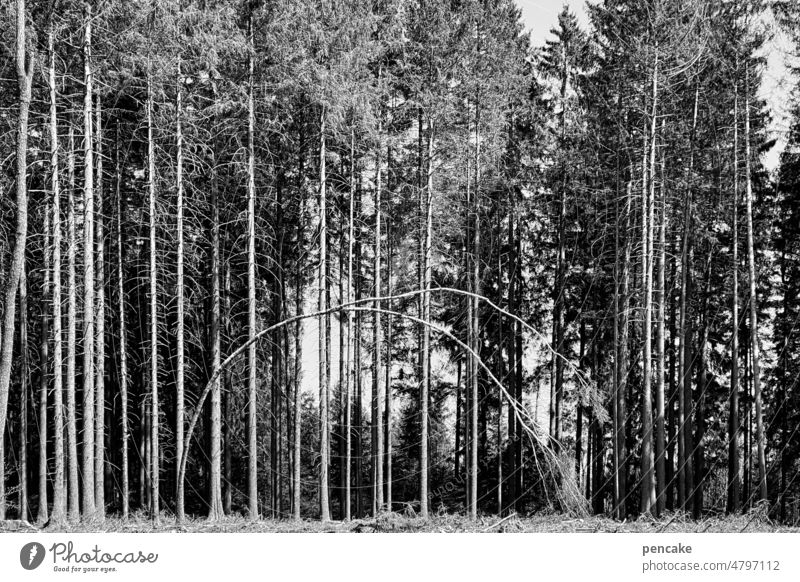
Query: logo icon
{"x": 31, "y": 555}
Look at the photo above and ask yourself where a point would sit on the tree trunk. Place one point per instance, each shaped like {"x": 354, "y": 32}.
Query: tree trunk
{"x": 180, "y": 365}
{"x": 476, "y": 289}
{"x": 377, "y": 372}
{"x": 349, "y": 368}
{"x": 100, "y": 330}
{"x": 322, "y": 279}
{"x": 622, "y": 367}
{"x": 734, "y": 479}
{"x": 123, "y": 345}
{"x": 58, "y": 516}
{"x": 754, "y": 347}
{"x": 685, "y": 422}
{"x": 215, "y": 511}
{"x": 73, "y": 509}
{"x": 154, "y": 403}
{"x": 426, "y": 333}
{"x": 660, "y": 434}
{"x": 24, "y": 510}
{"x": 88, "y": 277}
{"x": 388, "y": 366}
{"x": 43, "y": 514}
{"x": 24, "y": 64}
{"x": 252, "y": 387}
{"x": 648, "y": 500}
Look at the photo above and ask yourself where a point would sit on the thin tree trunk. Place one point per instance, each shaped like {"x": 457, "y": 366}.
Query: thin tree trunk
{"x": 58, "y": 516}
{"x": 154, "y": 404}
{"x": 388, "y": 366}
{"x": 215, "y": 511}
{"x": 660, "y": 434}
{"x": 648, "y": 491}
{"x": 685, "y": 436}
{"x": 620, "y": 432}
{"x": 476, "y": 290}
{"x": 377, "y": 372}
{"x": 88, "y": 277}
{"x": 426, "y": 334}
{"x": 24, "y": 510}
{"x": 24, "y": 65}
{"x": 349, "y": 368}
{"x": 180, "y": 366}
{"x": 252, "y": 387}
{"x": 73, "y": 509}
{"x": 43, "y": 514}
{"x": 100, "y": 331}
{"x": 322, "y": 278}
{"x": 123, "y": 345}
{"x": 754, "y": 347}
{"x": 734, "y": 479}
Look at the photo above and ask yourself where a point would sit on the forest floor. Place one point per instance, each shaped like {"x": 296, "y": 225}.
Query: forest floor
{"x": 754, "y": 522}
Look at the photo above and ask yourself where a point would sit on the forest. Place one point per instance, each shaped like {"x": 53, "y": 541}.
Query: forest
{"x": 337, "y": 260}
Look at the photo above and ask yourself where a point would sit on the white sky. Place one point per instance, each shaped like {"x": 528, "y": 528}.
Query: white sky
{"x": 540, "y": 16}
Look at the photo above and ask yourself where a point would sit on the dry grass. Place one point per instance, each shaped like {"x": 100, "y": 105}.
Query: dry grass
{"x": 397, "y": 523}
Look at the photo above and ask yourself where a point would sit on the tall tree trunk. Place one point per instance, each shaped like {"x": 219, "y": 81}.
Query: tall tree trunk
{"x": 43, "y": 514}
{"x": 100, "y": 330}
{"x": 622, "y": 366}
{"x": 299, "y": 295}
{"x": 751, "y": 265}
{"x": 685, "y": 419}
{"x": 322, "y": 279}
{"x": 154, "y": 403}
{"x": 252, "y": 387}
{"x": 215, "y": 511}
{"x": 73, "y": 501}
{"x": 388, "y": 366}
{"x": 349, "y": 368}
{"x": 24, "y": 510}
{"x": 88, "y": 276}
{"x": 358, "y": 282}
{"x": 648, "y": 500}
{"x": 377, "y": 372}
{"x": 58, "y": 516}
{"x": 180, "y": 365}
{"x": 426, "y": 333}
{"x": 734, "y": 479}
{"x": 24, "y": 65}
{"x": 123, "y": 345}
{"x": 660, "y": 430}
{"x": 476, "y": 289}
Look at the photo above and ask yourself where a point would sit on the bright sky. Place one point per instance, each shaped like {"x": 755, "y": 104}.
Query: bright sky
{"x": 541, "y": 15}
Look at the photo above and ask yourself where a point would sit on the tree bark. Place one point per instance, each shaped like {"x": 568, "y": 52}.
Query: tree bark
{"x": 154, "y": 403}
{"x": 88, "y": 276}
{"x": 24, "y": 65}
{"x": 377, "y": 361}
{"x": 215, "y": 511}
{"x": 73, "y": 509}
{"x": 322, "y": 279}
{"x": 426, "y": 334}
{"x": 180, "y": 356}
{"x": 100, "y": 330}
{"x": 252, "y": 387}
{"x": 58, "y": 517}
{"x": 123, "y": 345}
{"x": 754, "y": 347}
{"x": 648, "y": 490}
{"x": 734, "y": 479}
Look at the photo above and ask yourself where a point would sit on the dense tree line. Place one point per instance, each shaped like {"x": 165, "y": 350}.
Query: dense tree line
{"x": 533, "y": 278}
